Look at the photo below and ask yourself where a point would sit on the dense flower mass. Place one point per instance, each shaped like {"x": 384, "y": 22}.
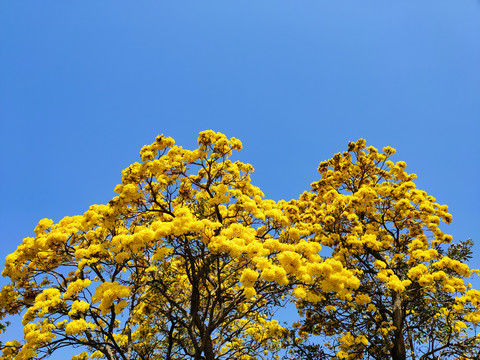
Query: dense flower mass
{"x": 190, "y": 261}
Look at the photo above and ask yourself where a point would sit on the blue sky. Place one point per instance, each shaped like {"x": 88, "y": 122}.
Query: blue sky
{"x": 84, "y": 85}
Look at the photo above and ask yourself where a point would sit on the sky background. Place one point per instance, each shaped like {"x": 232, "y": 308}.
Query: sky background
{"x": 84, "y": 85}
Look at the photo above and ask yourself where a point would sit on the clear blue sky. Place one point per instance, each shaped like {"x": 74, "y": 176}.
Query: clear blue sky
{"x": 85, "y": 84}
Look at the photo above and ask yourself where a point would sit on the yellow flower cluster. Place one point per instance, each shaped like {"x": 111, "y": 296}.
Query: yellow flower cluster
{"x": 78, "y": 306}
{"x": 81, "y": 356}
{"x": 36, "y": 335}
{"x": 75, "y": 327}
{"x": 459, "y": 267}
{"x": 107, "y": 293}
{"x": 392, "y": 281}
{"x": 248, "y": 279}
{"x": 75, "y": 287}
{"x": 351, "y": 346}
{"x": 47, "y": 299}
{"x": 10, "y": 350}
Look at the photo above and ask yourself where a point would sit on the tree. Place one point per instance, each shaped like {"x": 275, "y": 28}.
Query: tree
{"x": 165, "y": 270}
{"x": 412, "y": 301}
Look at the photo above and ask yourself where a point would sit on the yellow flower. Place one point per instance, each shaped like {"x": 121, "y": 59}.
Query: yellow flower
{"x": 81, "y": 356}
{"x": 299, "y": 293}
{"x": 107, "y": 292}
{"x": 75, "y": 327}
{"x": 248, "y": 277}
{"x": 415, "y": 272}
{"x": 361, "y": 299}
{"x": 249, "y": 292}
{"x": 43, "y": 225}
{"x": 78, "y": 306}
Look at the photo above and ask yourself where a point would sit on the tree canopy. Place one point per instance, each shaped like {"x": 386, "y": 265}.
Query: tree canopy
{"x": 191, "y": 261}
{"x": 412, "y": 301}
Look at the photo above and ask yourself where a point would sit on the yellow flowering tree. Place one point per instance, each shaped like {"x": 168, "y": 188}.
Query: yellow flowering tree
{"x": 190, "y": 261}
{"x": 412, "y": 301}
{"x": 168, "y": 269}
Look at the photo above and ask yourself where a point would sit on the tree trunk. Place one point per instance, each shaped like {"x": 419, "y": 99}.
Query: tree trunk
{"x": 208, "y": 348}
{"x": 398, "y": 349}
